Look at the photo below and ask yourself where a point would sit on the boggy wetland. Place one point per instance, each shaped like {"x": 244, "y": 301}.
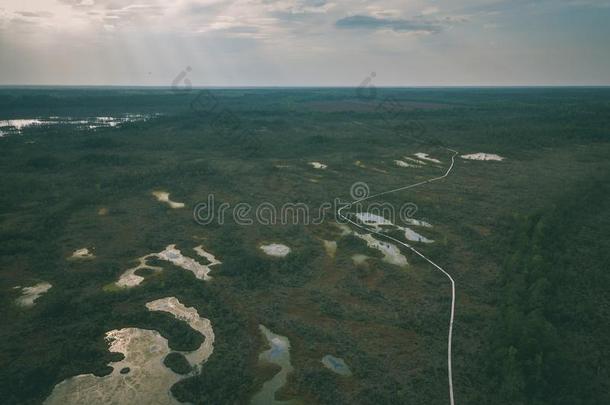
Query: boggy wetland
{"x": 112, "y": 288}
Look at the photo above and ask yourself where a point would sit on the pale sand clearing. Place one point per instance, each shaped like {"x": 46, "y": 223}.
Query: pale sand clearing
{"x": 130, "y": 279}
{"x": 279, "y": 354}
{"x": 373, "y": 220}
{"x": 207, "y": 255}
{"x": 174, "y": 256}
{"x": 379, "y": 170}
{"x": 163, "y": 196}
{"x": 83, "y": 253}
{"x": 190, "y": 316}
{"x": 360, "y": 164}
{"x": 482, "y": 156}
{"x": 147, "y": 382}
{"x": 424, "y": 156}
{"x": 401, "y": 163}
{"x": 330, "y": 246}
{"x": 318, "y": 165}
{"x": 391, "y": 253}
{"x": 417, "y": 222}
{"x": 30, "y": 294}
{"x": 377, "y": 221}
{"x": 102, "y": 211}
{"x": 359, "y": 259}
{"x": 416, "y": 161}
{"x": 275, "y": 249}
{"x": 415, "y": 237}
{"x": 336, "y": 364}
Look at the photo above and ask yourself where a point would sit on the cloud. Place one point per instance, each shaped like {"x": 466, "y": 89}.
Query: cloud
{"x": 298, "y": 6}
{"x": 34, "y": 14}
{"x": 399, "y": 25}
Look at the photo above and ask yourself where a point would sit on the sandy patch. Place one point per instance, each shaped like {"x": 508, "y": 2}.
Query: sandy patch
{"x": 425, "y": 156}
{"x": 482, "y": 156}
{"x": 401, "y": 163}
{"x": 207, "y": 255}
{"x": 102, "y": 211}
{"x": 359, "y": 259}
{"x": 275, "y": 249}
{"x": 163, "y": 196}
{"x": 378, "y": 222}
{"x": 83, "y": 253}
{"x": 379, "y": 170}
{"x": 279, "y": 354}
{"x": 391, "y": 253}
{"x": 360, "y": 164}
{"x": 330, "y": 246}
{"x": 191, "y": 316}
{"x": 174, "y": 256}
{"x": 318, "y": 165}
{"x": 130, "y": 279}
{"x": 415, "y": 237}
{"x": 30, "y": 294}
{"x": 416, "y": 161}
{"x": 417, "y": 222}
{"x": 148, "y": 381}
{"x": 336, "y": 365}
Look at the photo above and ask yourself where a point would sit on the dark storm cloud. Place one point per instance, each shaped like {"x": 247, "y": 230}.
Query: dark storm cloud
{"x": 373, "y": 23}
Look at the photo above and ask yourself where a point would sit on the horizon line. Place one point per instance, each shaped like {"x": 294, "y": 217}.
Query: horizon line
{"x": 238, "y": 87}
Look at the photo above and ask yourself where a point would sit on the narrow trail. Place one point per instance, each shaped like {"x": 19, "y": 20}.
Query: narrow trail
{"x": 339, "y": 212}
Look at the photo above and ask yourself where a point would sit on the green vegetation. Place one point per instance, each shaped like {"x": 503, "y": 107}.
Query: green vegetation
{"x": 177, "y": 363}
{"x": 550, "y": 341}
{"x": 526, "y": 240}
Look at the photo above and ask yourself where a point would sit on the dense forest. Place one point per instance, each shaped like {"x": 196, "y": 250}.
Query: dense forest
{"x": 551, "y": 340}
{"x": 525, "y": 238}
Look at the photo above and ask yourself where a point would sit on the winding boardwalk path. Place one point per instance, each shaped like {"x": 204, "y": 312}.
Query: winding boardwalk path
{"x": 340, "y": 213}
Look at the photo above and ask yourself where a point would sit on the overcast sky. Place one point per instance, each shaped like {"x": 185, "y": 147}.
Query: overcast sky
{"x": 305, "y": 42}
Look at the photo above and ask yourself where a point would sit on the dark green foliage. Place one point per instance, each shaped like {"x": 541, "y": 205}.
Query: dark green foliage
{"x": 549, "y": 342}
{"x": 543, "y": 294}
{"x": 43, "y": 162}
{"x": 226, "y": 378}
{"x": 177, "y": 363}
